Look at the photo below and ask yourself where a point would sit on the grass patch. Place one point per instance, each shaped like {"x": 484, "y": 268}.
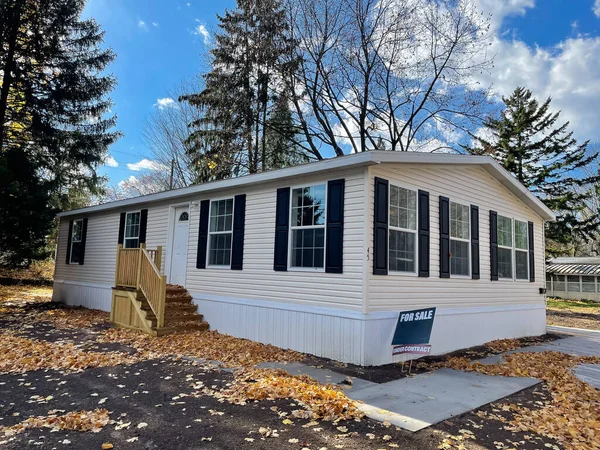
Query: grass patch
{"x": 558, "y": 303}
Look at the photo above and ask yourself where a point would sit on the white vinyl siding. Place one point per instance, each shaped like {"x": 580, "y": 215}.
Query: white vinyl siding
{"x": 393, "y": 294}
{"x": 258, "y": 280}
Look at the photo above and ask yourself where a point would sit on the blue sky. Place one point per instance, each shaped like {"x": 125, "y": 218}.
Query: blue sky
{"x": 550, "y": 46}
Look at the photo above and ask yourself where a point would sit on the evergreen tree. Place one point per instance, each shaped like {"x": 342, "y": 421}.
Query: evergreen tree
{"x": 54, "y": 131}
{"x": 545, "y": 157}
{"x": 241, "y": 91}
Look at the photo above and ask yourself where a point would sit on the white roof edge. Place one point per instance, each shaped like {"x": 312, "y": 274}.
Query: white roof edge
{"x": 353, "y": 160}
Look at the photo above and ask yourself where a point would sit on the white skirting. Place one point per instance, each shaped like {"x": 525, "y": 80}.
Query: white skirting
{"x": 357, "y": 338}
{"x": 77, "y": 293}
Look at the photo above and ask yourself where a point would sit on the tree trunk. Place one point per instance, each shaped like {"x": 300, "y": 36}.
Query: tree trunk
{"x": 9, "y": 68}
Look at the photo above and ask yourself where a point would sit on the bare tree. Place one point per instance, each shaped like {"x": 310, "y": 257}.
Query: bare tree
{"x": 166, "y": 131}
{"x": 148, "y": 182}
{"x": 387, "y": 74}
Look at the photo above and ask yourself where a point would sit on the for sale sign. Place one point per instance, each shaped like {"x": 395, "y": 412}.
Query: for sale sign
{"x": 414, "y": 327}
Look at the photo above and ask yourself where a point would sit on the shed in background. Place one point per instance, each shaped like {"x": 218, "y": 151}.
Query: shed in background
{"x": 573, "y": 278}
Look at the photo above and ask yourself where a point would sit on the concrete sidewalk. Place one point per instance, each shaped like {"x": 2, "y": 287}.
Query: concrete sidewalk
{"x": 416, "y": 402}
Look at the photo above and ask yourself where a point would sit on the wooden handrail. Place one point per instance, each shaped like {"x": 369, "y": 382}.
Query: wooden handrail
{"x": 139, "y": 268}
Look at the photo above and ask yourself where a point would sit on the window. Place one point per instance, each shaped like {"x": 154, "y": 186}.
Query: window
{"x": 76, "y": 238}
{"x": 573, "y": 283}
{"x": 548, "y": 282}
{"x": 220, "y": 232}
{"x": 521, "y": 251}
{"x": 184, "y": 216}
{"x": 308, "y": 227}
{"x": 132, "y": 230}
{"x": 403, "y": 230}
{"x": 460, "y": 235}
{"x": 559, "y": 283}
{"x": 505, "y": 247}
{"x": 588, "y": 284}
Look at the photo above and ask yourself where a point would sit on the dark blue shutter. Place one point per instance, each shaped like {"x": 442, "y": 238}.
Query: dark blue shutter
{"x": 444, "y": 237}
{"x": 143, "y": 225}
{"x": 69, "y": 243}
{"x": 282, "y": 222}
{"x": 380, "y": 227}
{"x": 423, "y": 233}
{"x": 202, "y": 234}
{"x": 493, "y": 245}
{"x": 531, "y": 253}
{"x": 122, "y": 228}
{"x": 334, "y": 256}
{"x": 475, "y": 274}
{"x": 239, "y": 221}
{"x": 83, "y": 239}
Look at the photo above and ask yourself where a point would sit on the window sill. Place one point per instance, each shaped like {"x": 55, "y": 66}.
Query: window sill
{"x": 307, "y": 269}
{"x": 402, "y": 274}
{"x": 461, "y": 277}
{"x": 219, "y": 267}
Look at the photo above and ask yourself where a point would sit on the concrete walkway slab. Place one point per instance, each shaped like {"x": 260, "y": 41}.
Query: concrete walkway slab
{"x": 590, "y": 373}
{"x": 417, "y": 402}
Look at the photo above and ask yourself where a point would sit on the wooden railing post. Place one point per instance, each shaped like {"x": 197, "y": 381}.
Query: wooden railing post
{"x": 139, "y": 265}
{"x": 119, "y": 247}
{"x": 158, "y": 260}
{"x": 162, "y": 301}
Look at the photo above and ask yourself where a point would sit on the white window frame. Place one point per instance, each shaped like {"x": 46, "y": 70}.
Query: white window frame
{"x": 74, "y": 241}
{"x": 125, "y": 238}
{"x": 306, "y": 227}
{"x": 468, "y": 241}
{"x": 515, "y": 249}
{"x": 211, "y": 233}
{"x": 511, "y": 248}
{"x": 406, "y": 230}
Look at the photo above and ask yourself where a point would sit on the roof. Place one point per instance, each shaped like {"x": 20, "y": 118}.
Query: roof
{"x": 362, "y": 159}
{"x": 574, "y": 266}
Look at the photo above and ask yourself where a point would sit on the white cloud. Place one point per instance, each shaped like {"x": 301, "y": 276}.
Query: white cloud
{"x": 567, "y": 72}
{"x": 145, "y": 164}
{"x": 111, "y": 162}
{"x": 596, "y": 8}
{"x": 155, "y": 24}
{"x": 166, "y": 102}
{"x": 201, "y": 30}
{"x": 142, "y": 24}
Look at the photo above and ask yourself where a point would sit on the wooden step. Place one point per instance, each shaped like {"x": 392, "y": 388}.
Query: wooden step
{"x": 202, "y": 326}
{"x": 171, "y": 320}
{"x": 180, "y": 307}
{"x": 178, "y": 298}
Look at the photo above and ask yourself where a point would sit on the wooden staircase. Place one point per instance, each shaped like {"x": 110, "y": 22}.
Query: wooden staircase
{"x": 180, "y": 313}
{"x": 143, "y": 300}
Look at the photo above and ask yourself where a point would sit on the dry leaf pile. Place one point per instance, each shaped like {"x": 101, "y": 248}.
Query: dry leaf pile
{"x": 75, "y": 317}
{"x": 92, "y": 421}
{"x": 503, "y": 345}
{"x": 20, "y": 354}
{"x": 572, "y": 417}
{"x": 325, "y": 402}
{"x": 209, "y": 345}
{"x": 26, "y": 294}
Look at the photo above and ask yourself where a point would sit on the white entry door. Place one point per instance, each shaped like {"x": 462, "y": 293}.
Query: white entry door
{"x": 179, "y": 246}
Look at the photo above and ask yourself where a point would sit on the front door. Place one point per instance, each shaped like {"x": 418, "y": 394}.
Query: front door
{"x": 179, "y": 246}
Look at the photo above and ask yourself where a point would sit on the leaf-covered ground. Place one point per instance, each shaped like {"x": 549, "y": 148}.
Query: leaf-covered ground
{"x": 69, "y": 380}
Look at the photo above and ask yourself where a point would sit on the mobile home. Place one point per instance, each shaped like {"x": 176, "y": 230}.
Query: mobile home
{"x": 322, "y": 257}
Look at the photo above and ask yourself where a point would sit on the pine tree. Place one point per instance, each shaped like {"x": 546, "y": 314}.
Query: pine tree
{"x": 54, "y": 128}
{"x": 544, "y": 156}
{"x": 241, "y": 90}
